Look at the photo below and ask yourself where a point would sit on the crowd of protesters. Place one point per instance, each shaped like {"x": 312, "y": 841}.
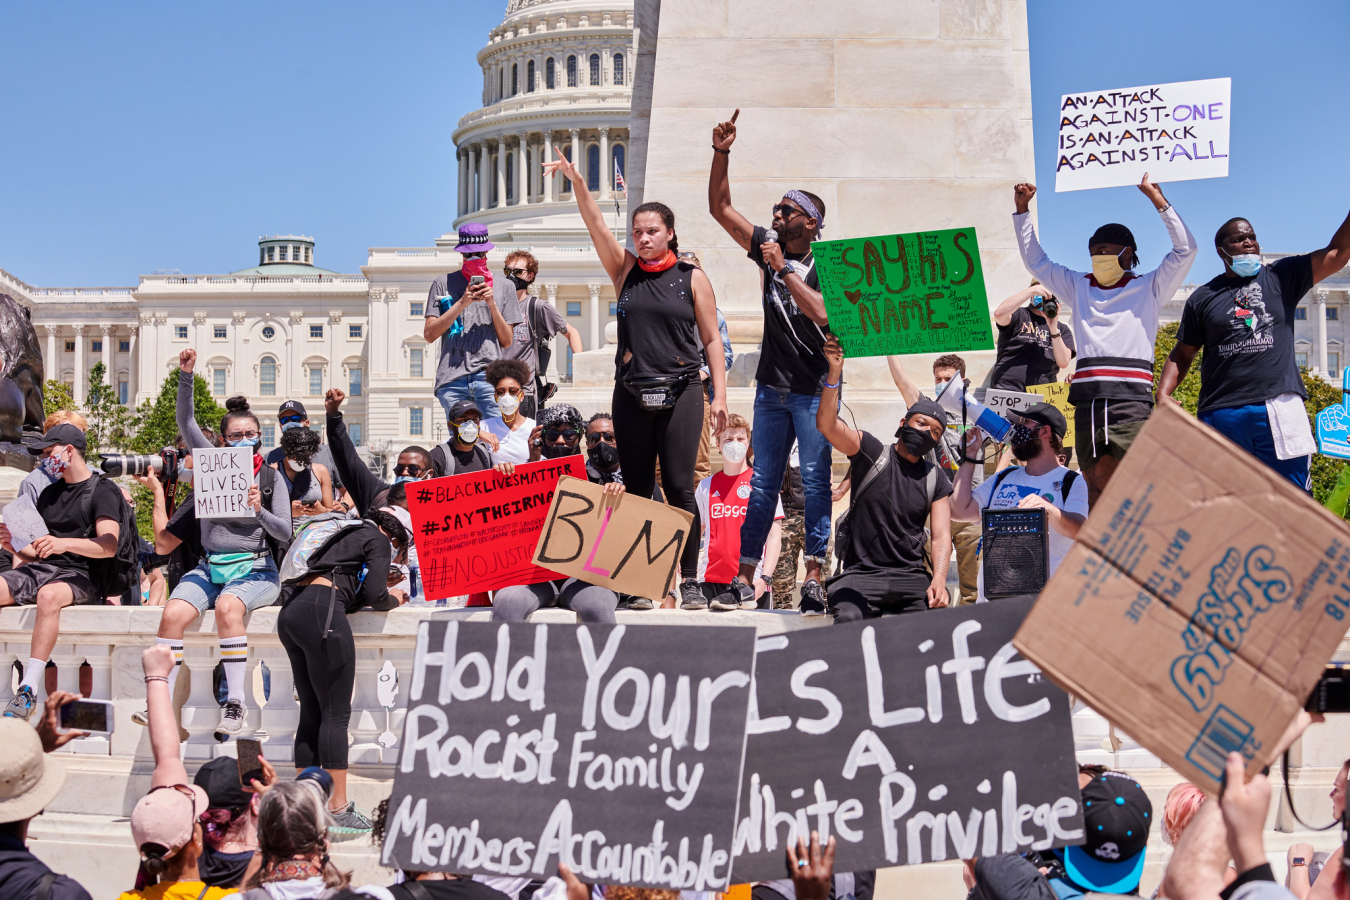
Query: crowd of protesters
{"x": 326, "y": 536}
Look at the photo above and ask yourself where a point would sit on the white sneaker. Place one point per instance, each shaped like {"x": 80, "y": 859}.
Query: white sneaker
{"x": 233, "y": 717}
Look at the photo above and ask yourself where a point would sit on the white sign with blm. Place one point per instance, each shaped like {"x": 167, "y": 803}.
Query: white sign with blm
{"x": 1174, "y": 132}
{"x": 221, "y": 477}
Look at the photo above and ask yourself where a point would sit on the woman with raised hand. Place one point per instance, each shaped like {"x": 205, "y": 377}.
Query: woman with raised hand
{"x": 667, "y": 321}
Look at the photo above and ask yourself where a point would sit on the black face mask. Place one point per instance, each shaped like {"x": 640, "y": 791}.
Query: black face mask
{"x": 556, "y": 451}
{"x": 604, "y": 456}
{"x": 917, "y": 441}
{"x": 1024, "y": 442}
{"x": 520, "y": 283}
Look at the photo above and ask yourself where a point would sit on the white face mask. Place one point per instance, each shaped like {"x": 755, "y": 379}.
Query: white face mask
{"x": 508, "y": 404}
{"x": 295, "y": 466}
{"x": 734, "y": 451}
{"x": 467, "y": 431}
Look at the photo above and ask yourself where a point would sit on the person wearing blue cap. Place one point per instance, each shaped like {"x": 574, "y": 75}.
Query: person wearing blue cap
{"x": 474, "y": 322}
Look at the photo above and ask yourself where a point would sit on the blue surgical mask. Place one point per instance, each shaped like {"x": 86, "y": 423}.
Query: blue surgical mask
{"x": 402, "y": 478}
{"x": 1245, "y": 264}
{"x": 245, "y": 442}
{"x": 287, "y": 426}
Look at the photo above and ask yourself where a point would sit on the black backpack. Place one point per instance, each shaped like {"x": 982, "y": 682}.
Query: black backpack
{"x": 543, "y": 352}
{"x": 120, "y": 573}
{"x": 267, "y": 483}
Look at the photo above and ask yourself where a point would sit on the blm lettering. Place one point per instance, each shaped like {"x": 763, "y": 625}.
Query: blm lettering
{"x": 905, "y": 293}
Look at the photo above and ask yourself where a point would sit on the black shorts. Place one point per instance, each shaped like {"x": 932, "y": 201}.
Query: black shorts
{"x": 25, "y": 581}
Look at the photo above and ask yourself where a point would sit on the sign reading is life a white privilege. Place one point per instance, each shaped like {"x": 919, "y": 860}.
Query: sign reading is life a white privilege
{"x": 221, "y": 477}
{"x": 1174, "y": 132}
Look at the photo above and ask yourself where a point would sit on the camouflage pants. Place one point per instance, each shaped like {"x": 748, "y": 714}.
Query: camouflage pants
{"x": 784, "y": 580}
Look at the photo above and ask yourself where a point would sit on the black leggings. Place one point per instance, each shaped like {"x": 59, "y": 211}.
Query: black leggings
{"x": 673, "y": 436}
{"x": 325, "y": 673}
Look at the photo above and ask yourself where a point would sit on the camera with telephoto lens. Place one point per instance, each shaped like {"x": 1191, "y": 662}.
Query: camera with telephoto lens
{"x": 1331, "y": 694}
{"x": 1047, "y": 305}
{"x": 163, "y": 466}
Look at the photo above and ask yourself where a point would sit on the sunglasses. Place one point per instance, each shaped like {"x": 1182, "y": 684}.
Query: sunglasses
{"x": 569, "y": 435}
{"x": 409, "y": 469}
{"x": 595, "y": 437}
{"x": 519, "y": 273}
{"x": 289, "y": 419}
{"x": 786, "y": 211}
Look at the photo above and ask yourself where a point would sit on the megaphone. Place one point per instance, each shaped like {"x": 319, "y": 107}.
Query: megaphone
{"x": 954, "y": 397}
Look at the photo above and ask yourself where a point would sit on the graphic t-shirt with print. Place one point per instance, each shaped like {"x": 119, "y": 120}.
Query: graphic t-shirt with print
{"x": 722, "y": 500}
{"x": 1246, "y": 328}
{"x": 1016, "y": 484}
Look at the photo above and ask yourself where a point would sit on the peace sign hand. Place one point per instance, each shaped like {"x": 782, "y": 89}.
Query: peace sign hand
{"x": 562, "y": 166}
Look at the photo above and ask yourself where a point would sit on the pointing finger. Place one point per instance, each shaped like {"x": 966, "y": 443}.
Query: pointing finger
{"x": 735, "y": 114}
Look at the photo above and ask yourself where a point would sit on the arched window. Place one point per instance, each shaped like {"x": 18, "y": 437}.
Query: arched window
{"x": 595, "y": 70}
{"x": 510, "y": 176}
{"x": 593, "y": 167}
{"x": 529, "y": 77}
{"x": 620, "y": 164}
{"x": 618, "y": 68}
{"x": 567, "y": 185}
{"x": 515, "y": 79}
{"x": 267, "y": 377}
{"x": 571, "y": 71}
{"x": 550, "y": 68}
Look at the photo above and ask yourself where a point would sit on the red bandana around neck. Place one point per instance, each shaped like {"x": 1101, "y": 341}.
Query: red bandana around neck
{"x": 478, "y": 266}
{"x": 257, "y": 463}
{"x": 659, "y": 265}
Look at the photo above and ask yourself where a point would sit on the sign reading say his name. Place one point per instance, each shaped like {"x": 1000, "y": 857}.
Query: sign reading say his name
{"x": 1174, "y": 132}
{"x": 221, "y": 477}
{"x": 628, "y": 544}
{"x": 616, "y": 749}
{"x": 476, "y": 532}
{"x": 909, "y": 739}
{"x": 905, "y": 293}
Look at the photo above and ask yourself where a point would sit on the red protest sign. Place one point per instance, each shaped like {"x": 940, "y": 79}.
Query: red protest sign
{"x": 477, "y": 532}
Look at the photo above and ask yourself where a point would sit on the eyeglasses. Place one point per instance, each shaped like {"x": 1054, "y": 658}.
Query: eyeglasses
{"x": 409, "y": 469}
{"x": 243, "y": 435}
{"x": 786, "y": 211}
{"x": 595, "y": 437}
{"x": 289, "y": 419}
{"x": 519, "y": 273}
{"x": 569, "y": 435}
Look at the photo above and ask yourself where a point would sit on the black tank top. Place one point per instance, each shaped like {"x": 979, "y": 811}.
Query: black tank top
{"x": 656, "y": 322}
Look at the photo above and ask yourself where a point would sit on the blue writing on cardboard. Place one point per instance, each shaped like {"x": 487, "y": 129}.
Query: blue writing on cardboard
{"x": 1333, "y": 424}
{"x": 1225, "y": 732}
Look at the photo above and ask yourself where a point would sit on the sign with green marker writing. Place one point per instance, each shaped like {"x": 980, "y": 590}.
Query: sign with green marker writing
{"x": 905, "y": 293}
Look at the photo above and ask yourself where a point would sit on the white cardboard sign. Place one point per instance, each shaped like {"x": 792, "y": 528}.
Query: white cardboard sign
{"x": 221, "y": 477}
{"x": 1174, "y": 132}
{"x": 1010, "y": 401}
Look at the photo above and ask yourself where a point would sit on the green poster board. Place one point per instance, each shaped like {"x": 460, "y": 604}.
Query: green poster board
{"x": 905, "y": 293}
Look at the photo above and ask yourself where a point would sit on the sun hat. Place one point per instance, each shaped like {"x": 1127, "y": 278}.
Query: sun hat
{"x": 473, "y": 238}
{"x": 29, "y": 778}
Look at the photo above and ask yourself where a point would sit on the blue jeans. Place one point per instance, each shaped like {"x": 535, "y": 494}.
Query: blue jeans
{"x": 473, "y": 387}
{"x": 780, "y": 417}
{"x": 1249, "y": 428}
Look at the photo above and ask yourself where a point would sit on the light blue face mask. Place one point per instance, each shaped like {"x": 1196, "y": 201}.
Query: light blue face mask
{"x": 289, "y": 425}
{"x": 402, "y": 478}
{"x": 245, "y": 442}
{"x": 1245, "y": 264}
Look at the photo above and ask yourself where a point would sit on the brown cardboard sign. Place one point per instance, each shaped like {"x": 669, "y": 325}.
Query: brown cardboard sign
{"x": 628, "y": 544}
{"x": 1200, "y": 602}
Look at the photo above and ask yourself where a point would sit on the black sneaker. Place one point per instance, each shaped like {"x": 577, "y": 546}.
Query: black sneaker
{"x": 691, "y": 595}
{"x": 639, "y": 603}
{"x": 739, "y": 594}
{"x": 813, "y": 599}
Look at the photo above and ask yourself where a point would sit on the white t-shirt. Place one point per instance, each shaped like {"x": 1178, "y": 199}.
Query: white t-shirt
{"x": 515, "y": 444}
{"x": 1017, "y": 484}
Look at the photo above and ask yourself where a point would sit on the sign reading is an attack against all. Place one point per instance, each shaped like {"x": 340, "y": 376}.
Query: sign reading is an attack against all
{"x": 905, "y": 293}
{"x": 477, "y": 532}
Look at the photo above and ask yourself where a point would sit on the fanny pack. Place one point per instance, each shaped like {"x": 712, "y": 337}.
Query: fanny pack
{"x": 656, "y": 394}
{"x": 227, "y": 567}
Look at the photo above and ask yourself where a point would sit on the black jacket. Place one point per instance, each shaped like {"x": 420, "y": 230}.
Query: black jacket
{"x": 21, "y": 872}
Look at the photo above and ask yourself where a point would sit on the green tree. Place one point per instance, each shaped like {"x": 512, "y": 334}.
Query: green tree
{"x": 56, "y": 396}
{"x": 1188, "y": 392}
{"x": 156, "y": 425}
{"x": 110, "y": 423}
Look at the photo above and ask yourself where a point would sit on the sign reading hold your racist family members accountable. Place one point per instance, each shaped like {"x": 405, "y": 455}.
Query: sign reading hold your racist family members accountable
{"x": 476, "y": 532}
{"x": 221, "y": 477}
{"x": 616, "y": 749}
{"x": 1174, "y": 132}
{"x": 905, "y": 293}
{"x": 628, "y": 544}
{"x": 909, "y": 739}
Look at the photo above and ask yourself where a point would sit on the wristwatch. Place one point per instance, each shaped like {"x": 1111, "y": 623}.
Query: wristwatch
{"x": 1298, "y": 861}
{"x": 784, "y": 272}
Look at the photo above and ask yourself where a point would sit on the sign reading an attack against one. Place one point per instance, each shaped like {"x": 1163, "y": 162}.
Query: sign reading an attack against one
{"x": 905, "y": 293}
{"x": 617, "y": 750}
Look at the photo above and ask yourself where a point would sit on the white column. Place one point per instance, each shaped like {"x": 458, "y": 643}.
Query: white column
{"x": 51, "y": 364}
{"x": 499, "y": 171}
{"x": 109, "y": 361}
{"x": 595, "y": 316}
{"x": 552, "y": 375}
{"x": 133, "y": 364}
{"x": 81, "y": 374}
{"x": 576, "y": 149}
{"x": 522, "y": 182}
{"x": 547, "y": 157}
{"x": 605, "y": 177}
{"x": 462, "y": 198}
{"x": 484, "y": 181}
{"x": 1320, "y": 295}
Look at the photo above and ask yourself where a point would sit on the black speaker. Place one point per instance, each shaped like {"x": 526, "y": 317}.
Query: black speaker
{"x": 1015, "y": 552}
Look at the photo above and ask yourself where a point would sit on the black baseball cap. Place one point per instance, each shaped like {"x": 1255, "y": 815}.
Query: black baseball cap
{"x": 295, "y": 407}
{"x": 220, "y": 779}
{"x": 1117, "y": 815}
{"x": 463, "y": 408}
{"x": 1046, "y": 414}
{"x": 65, "y": 433}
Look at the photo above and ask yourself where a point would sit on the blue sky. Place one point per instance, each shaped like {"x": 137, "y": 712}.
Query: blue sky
{"x": 170, "y": 136}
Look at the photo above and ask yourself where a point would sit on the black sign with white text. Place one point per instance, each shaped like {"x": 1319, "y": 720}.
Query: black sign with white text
{"x": 615, "y": 748}
{"x": 909, "y": 739}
